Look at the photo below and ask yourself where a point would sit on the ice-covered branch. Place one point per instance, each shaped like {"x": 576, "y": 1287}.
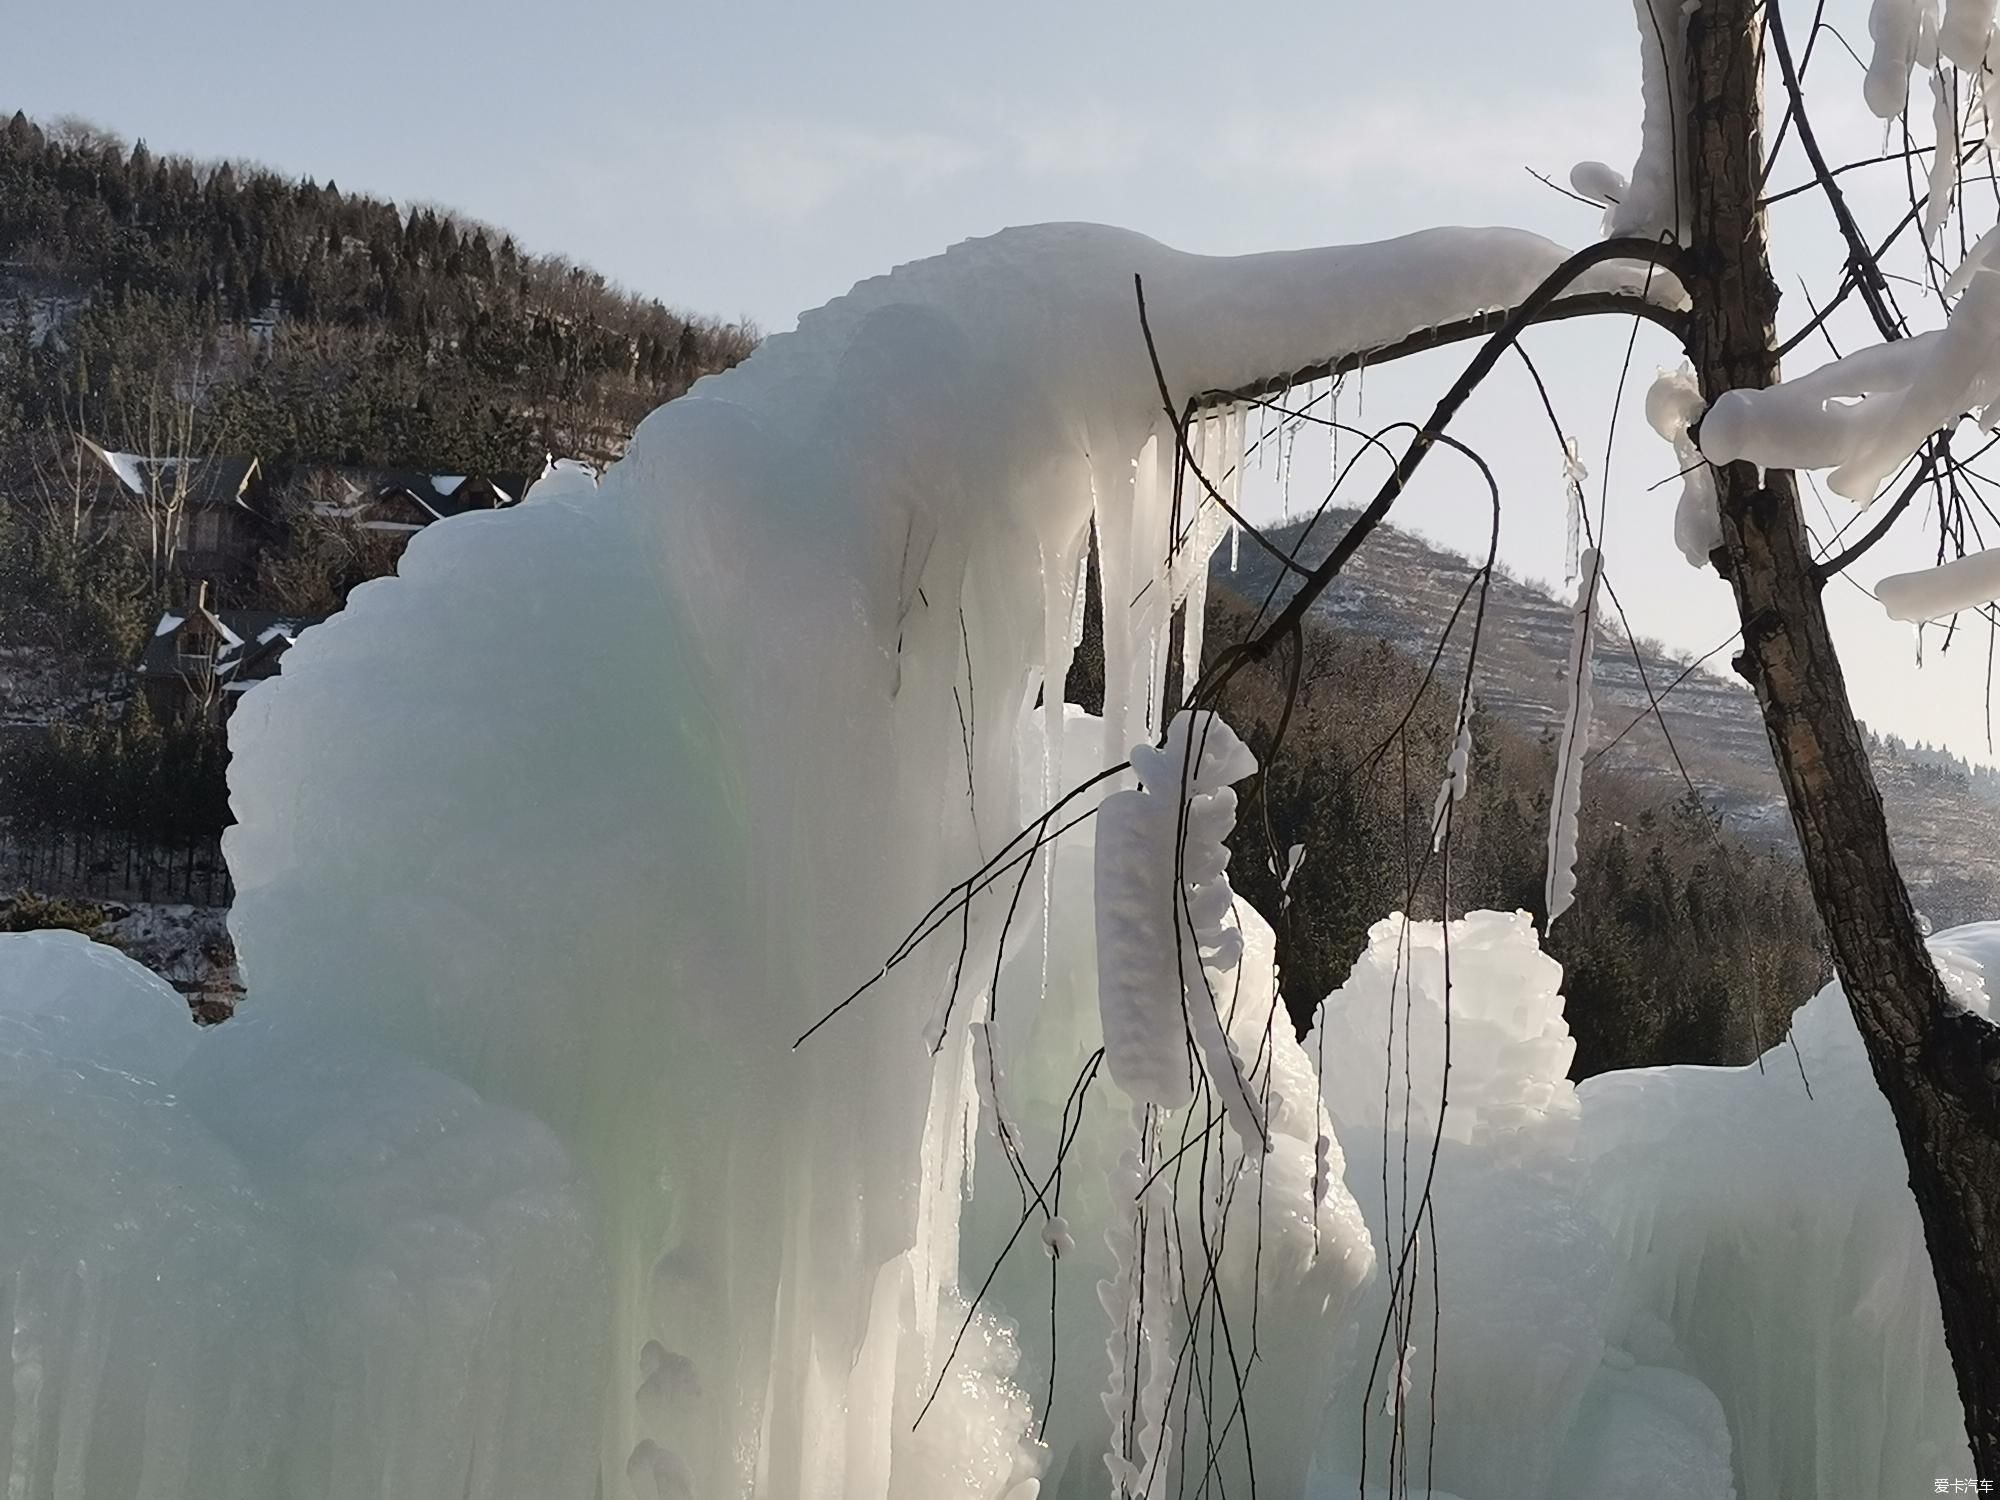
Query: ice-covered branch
{"x": 1933, "y": 593}
{"x": 1165, "y": 942}
{"x": 1672, "y": 406}
{"x": 1866, "y": 415}
{"x": 1660, "y": 258}
{"x": 1654, "y": 202}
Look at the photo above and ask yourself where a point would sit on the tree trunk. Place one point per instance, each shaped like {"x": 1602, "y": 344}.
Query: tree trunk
{"x": 1937, "y": 1067}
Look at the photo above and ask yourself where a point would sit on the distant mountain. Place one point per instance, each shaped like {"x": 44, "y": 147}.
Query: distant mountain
{"x": 1944, "y": 815}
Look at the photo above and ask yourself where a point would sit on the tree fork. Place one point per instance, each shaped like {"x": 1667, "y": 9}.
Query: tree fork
{"x": 1936, "y": 1066}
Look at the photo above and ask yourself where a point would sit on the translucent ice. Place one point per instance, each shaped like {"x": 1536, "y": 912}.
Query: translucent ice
{"x": 531, "y": 1172}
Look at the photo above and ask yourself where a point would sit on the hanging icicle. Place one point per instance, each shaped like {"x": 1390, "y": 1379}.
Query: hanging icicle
{"x": 1574, "y": 474}
{"x": 1944, "y": 160}
{"x": 1573, "y": 744}
{"x": 1233, "y": 423}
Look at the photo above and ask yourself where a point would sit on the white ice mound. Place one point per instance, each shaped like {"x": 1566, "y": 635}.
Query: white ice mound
{"x": 1716, "y": 1288}
{"x": 273, "y": 1265}
{"x": 1771, "y": 1232}
{"x": 1384, "y": 1033}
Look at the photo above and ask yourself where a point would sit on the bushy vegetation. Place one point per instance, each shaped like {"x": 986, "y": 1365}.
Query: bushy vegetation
{"x": 79, "y": 601}
{"x": 117, "y": 768}
{"x": 28, "y": 911}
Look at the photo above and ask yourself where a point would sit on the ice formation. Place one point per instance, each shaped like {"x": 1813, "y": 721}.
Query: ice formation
{"x": 1573, "y": 740}
{"x": 547, "y": 1160}
{"x": 1451, "y": 791}
{"x": 1673, "y": 404}
{"x": 1654, "y": 202}
{"x": 1866, "y": 415}
{"x": 1905, "y": 36}
{"x": 1933, "y": 593}
{"x": 1966, "y": 33}
{"x": 1671, "y": 1282}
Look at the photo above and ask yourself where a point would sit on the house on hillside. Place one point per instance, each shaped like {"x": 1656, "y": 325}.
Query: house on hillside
{"x": 408, "y": 500}
{"x": 205, "y": 658}
{"x": 209, "y": 515}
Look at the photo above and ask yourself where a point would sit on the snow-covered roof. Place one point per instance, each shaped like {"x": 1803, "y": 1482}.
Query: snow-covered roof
{"x": 129, "y": 469}
{"x": 201, "y": 481}
{"x": 249, "y": 644}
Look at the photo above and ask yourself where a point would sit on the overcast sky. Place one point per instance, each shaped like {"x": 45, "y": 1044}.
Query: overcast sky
{"x": 757, "y": 159}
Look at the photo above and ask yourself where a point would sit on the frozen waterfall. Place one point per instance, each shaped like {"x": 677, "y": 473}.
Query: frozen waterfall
{"x": 511, "y": 1181}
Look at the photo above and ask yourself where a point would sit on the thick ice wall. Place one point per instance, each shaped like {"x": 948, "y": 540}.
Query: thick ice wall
{"x": 145, "y": 1291}
{"x": 1770, "y": 1247}
{"x": 273, "y": 1264}
{"x": 604, "y": 800}
{"x": 450, "y": 1289}
{"x": 551, "y": 847}
{"x": 1498, "y": 1362}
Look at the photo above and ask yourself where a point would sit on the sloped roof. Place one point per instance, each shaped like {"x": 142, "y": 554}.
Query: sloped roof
{"x": 210, "y": 481}
{"x": 253, "y": 640}
{"x": 446, "y": 495}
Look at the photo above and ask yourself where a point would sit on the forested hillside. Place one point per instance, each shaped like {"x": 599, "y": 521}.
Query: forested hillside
{"x": 228, "y": 397}
{"x": 301, "y": 323}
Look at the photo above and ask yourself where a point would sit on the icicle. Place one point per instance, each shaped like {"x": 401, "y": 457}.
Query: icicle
{"x": 1672, "y": 404}
{"x": 1944, "y": 160}
{"x": 989, "y": 1079}
{"x": 1294, "y": 857}
{"x": 1232, "y": 485}
{"x": 1137, "y": 1303}
{"x": 1333, "y": 429}
{"x": 1079, "y": 600}
{"x": 1899, "y": 29}
{"x": 1573, "y": 744}
{"x": 1287, "y": 440}
{"x": 1574, "y": 474}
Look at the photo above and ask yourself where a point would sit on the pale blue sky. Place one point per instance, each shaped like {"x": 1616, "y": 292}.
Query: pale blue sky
{"x": 757, "y": 159}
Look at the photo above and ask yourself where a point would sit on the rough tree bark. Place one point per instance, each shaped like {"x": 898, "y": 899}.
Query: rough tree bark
{"x": 1937, "y": 1068}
